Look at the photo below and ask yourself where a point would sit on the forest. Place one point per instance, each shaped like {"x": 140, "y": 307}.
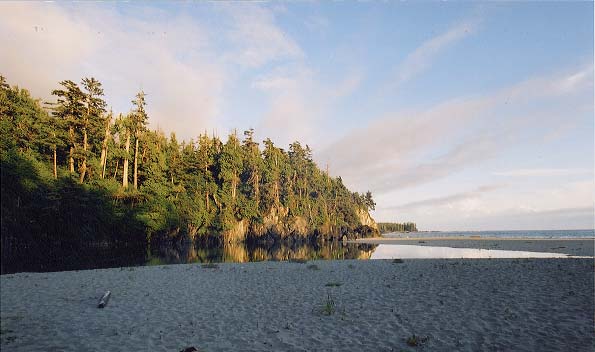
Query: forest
{"x": 386, "y": 227}
{"x": 77, "y": 174}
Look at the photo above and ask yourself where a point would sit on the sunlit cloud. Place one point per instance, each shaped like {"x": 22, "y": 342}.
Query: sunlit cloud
{"x": 173, "y": 64}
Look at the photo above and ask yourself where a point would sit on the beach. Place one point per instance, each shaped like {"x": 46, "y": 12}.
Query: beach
{"x": 348, "y": 305}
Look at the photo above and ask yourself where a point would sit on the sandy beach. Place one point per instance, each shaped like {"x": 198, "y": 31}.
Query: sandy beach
{"x": 350, "y": 305}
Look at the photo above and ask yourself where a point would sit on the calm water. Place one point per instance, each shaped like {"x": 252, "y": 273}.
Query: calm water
{"x": 389, "y": 251}
{"x": 240, "y": 252}
{"x": 182, "y": 253}
{"x": 500, "y": 234}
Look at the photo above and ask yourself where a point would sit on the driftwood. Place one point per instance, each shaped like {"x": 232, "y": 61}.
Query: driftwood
{"x": 190, "y": 349}
{"x": 104, "y": 299}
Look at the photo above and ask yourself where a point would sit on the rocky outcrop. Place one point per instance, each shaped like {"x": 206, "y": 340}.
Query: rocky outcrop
{"x": 279, "y": 224}
{"x": 366, "y": 220}
{"x": 237, "y": 233}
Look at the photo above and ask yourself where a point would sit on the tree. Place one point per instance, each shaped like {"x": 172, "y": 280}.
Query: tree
{"x": 251, "y": 174}
{"x": 93, "y": 117}
{"x": 139, "y": 122}
{"x": 125, "y": 125}
{"x": 70, "y": 108}
{"x": 273, "y": 157}
{"x": 369, "y": 202}
{"x": 105, "y": 144}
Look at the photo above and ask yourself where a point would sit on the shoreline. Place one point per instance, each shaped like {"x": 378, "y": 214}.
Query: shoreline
{"x": 376, "y": 240}
{"x": 578, "y": 247}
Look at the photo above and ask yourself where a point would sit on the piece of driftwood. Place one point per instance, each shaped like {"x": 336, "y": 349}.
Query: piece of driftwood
{"x": 104, "y": 299}
{"x": 190, "y": 349}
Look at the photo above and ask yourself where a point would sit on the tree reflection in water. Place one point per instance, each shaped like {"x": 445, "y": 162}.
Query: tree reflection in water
{"x": 187, "y": 252}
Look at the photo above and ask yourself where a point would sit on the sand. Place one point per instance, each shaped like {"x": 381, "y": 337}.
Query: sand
{"x": 459, "y": 305}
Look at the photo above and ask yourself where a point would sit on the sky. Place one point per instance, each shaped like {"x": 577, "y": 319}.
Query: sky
{"x": 457, "y": 116}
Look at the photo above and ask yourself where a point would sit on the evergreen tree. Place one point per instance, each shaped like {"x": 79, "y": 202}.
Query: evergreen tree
{"x": 93, "y": 119}
{"x": 139, "y": 123}
{"x": 70, "y": 107}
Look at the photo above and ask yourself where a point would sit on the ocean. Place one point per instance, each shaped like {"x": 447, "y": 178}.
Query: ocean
{"x": 500, "y": 234}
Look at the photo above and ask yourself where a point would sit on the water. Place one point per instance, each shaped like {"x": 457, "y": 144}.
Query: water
{"x": 500, "y": 234}
{"x": 182, "y": 253}
{"x": 389, "y": 251}
{"x": 185, "y": 252}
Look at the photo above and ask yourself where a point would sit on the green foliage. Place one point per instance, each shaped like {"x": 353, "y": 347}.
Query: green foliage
{"x": 386, "y": 227}
{"x": 71, "y": 160}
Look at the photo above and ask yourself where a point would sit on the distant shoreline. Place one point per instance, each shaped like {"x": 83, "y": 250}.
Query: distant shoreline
{"x": 381, "y": 240}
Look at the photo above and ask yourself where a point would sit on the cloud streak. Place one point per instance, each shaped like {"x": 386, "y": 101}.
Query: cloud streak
{"x": 388, "y": 151}
{"x": 446, "y": 200}
{"x": 421, "y": 58}
{"x": 542, "y": 172}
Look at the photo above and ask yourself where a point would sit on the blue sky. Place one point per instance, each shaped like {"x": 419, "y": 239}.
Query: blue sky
{"x": 458, "y": 116}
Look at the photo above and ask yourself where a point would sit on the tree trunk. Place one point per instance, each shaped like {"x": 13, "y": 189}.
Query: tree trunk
{"x": 234, "y": 185}
{"x": 136, "y": 164}
{"x": 71, "y": 152}
{"x": 84, "y": 166}
{"x": 116, "y": 172}
{"x": 257, "y": 190}
{"x": 55, "y": 164}
{"x": 125, "y": 175}
{"x": 104, "y": 164}
{"x": 104, "y": 147}
{"x": 277, "y": 200}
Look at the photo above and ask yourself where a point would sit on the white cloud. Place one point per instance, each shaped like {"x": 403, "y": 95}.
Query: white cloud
{"x": 256, "y": 37}
{"x": 300, "y": 103}
{"x": 169, "y": 58}
{"x": 567, "y": 205}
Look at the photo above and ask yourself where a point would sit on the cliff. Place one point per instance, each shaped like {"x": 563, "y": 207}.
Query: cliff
{"x": 280, "y": 224}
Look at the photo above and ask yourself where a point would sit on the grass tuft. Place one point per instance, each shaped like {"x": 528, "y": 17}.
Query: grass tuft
{"x": 328, "y": 307}
{"x": 415, "y": 341}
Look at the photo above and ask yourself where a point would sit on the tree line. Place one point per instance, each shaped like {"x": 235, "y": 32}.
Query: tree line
{"x": 386, "y": 227}
{"x": 229, "y": 190}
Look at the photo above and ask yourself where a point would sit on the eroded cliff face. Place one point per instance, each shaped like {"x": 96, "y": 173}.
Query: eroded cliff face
{"x": 237, "y": 233}
{"x": 366, "y": 220}
{"x": 279, "y": 224}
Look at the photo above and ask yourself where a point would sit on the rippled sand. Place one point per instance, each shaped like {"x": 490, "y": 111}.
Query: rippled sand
{"x": 460, "y": 305}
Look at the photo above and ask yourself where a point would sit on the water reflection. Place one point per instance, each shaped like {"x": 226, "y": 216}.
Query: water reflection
{"x": 391, "y": 251}
{"x": 185, "y": 252}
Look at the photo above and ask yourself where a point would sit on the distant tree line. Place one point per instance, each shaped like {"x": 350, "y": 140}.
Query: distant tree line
{"x": 126, "y": 179}
{"x": 386, "y": 227}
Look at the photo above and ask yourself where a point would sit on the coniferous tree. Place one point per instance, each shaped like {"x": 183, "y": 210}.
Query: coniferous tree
{"x": 92, "y": 118}
{"x": 70, "y": 108}
{"x": 139, "y": 122}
